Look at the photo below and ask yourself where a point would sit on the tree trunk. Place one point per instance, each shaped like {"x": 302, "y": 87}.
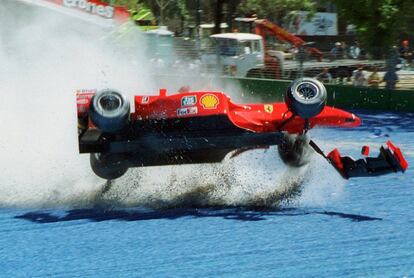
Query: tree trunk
{"x": 232, "y": 7}
{"x": 218, "y": 16}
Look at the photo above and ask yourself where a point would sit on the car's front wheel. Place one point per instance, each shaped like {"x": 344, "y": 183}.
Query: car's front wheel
{"x": 306, "y": 97}
{"x": 109, "y": 111}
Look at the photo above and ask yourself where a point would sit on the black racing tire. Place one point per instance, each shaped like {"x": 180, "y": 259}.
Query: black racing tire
{"x": 109, "y": 111}
{"x": 294, "y": 150}
{"x": 108, "y": 166}
{"x": 306, "y": 97}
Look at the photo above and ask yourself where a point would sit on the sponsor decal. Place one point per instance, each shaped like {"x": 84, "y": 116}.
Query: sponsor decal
{"x": 82, "y": 101}
{"x": 145, "y": 100}
{"x": 209, "y": 101}
{"x": 187, "y": 111}
{"x": 268, "y": 108}
{"x": 188, "y": 101}
{"x": 86, "y": 91}
{"x": 92, "y": 7}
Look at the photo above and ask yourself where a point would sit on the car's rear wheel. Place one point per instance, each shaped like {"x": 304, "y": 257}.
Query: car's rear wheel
{"x": 294, "y": 150}
{"x": 108, "y": 166}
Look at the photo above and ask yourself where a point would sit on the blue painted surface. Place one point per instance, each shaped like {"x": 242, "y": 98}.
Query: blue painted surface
{"x": 367, "y": 232}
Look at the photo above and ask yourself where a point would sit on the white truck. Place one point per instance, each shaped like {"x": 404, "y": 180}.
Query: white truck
{"x": 234, "y": 54}
{"x": 245, "y": 55}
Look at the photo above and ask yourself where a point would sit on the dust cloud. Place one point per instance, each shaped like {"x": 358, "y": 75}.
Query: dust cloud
{"x": 45, "y": 57}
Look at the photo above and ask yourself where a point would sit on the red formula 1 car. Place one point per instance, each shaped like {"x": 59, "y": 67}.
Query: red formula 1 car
{"x": 203, "y": 127}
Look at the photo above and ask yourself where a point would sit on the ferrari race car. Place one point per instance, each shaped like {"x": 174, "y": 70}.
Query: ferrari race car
{"x": 204, "y": 127}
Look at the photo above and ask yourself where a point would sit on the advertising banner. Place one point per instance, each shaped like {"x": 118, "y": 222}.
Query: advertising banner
{"x": 89, "y": 7}
{"x": 321, "y": 24}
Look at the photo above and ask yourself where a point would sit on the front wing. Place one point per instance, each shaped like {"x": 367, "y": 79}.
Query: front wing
{"x": 389, "y": 160}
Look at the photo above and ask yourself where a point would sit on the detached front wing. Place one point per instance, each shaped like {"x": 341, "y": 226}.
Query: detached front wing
{"x": 389, "y": 160}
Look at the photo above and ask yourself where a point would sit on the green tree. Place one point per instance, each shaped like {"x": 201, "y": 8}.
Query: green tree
{"x": 231, "y": 7}
{"x": 379, "y": 22}
{"x": 275, "y": 10}
{"x": 170, "y": 11}
{"x": 130, "y": 4}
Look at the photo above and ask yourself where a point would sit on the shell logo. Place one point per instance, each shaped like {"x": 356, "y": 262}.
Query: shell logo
{"x": 209, "y": 101}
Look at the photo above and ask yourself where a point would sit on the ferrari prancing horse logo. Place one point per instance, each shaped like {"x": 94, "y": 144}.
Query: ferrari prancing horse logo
{"x": 209, "y": 101}
{"x": 145, "y": 100}
{"x": 268, "y": 108}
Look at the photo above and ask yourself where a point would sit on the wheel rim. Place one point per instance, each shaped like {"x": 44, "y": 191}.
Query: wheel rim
{"x": 307, "y": 91}
{"x": 110, "y": 103}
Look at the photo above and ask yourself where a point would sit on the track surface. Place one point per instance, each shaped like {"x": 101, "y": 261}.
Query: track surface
{"x": 368, "y": 231}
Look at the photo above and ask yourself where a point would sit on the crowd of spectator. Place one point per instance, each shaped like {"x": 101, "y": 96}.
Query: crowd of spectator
{"x": 342, "y": 51}
{"x": 403, "y": 60}
{"x": 363, "y": 78}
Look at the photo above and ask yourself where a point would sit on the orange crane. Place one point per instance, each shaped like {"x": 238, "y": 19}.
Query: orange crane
{"x": 265, "y": 27}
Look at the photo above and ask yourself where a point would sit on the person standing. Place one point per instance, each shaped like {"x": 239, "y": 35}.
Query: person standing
{"x": 336, "y": 51}
{"x": 324, "y": 76}
{"x": 359, "y": 77}
{"x": 406, "y": 53}
{"x": 374, "y": 80}
{"x": 390, "y": 79}
{"x": 355, "y": 51}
